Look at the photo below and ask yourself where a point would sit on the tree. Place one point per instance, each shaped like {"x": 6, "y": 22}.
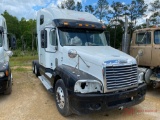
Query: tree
{"x": 89, "y": 8}
{"x": 78, "y": 7}
{"x": 67, "y": 4}
{"x": 155, "y": 8}
{"x": 116, "y": 13}
{"x": 12, "y": 23}
{"x": 136, "y": 9}
{"x": 101, "y": 9}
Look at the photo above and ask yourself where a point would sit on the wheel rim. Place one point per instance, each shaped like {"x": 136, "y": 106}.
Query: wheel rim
{"x": 60, "y": 97}
{"x": 35, "y": 69}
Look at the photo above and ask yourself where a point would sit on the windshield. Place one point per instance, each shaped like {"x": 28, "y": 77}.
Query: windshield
{"x": 157, "y": 37}
{"x": 1, "y": 41}
{"x": 78, "y": 37}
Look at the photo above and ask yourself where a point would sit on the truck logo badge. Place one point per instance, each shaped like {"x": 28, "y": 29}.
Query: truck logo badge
{"x": 116, "y": 62}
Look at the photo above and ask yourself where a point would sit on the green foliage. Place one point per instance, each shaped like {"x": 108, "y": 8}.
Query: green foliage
{"x": 101, "y": 9}
{"x": 20, "y": 53}
{"x": 155, "y": 8}
{"x": 24, "y": 31}
{"x": 78, "y": 7}
{"x": 22, "y": 63}
{"x": 89, "y": 8}
{"x": 118, "y": 39}
{"x": 136, "y": 9}
{"x": 68, "y": 4}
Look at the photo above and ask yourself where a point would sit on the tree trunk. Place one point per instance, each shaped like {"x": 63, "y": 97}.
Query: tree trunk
{"x": 115, "y": 34}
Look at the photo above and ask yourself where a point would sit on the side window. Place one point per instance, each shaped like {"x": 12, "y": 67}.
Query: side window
{"x": 44, "y": 39}
{"x": 53, "y": 37}
{"x": 1, "y": 40}
{"x": 157, "y": 37}
{"x": 143, "y": 38}
{"x": 41, "y": 19}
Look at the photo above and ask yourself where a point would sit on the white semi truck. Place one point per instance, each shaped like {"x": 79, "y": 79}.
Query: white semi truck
{"x": 5, "y": 71}
{"x": 76, "y": 64}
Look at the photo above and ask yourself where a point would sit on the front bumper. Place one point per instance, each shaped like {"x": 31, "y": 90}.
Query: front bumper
{"x": 88, "y": 103}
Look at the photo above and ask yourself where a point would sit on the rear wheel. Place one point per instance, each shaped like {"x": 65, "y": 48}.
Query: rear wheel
{"x": 33, "y": 68}
{"x": 61, "y": 97}
{"x": 36, "y": 70}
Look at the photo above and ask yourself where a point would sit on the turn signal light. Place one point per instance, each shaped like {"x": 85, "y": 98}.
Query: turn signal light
{"x": 7, "y": 73}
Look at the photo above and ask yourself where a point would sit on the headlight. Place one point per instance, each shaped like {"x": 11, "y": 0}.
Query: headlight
{"x": 88, "y": 86}
{"x": 140, "y": 77}
{"x": 2, "y": 74}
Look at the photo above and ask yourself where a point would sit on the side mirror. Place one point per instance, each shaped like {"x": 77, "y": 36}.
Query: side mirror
{"x": 9, "y": 53}
{"x": 72, "y": 53}
{"x": 12, "y": 42}
{"x": 44, "y": 39}
{"x": 1, "y": 29}
{"x": 107, "y": 34}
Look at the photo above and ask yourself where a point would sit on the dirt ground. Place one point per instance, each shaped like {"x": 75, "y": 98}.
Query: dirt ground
{"x": 30, "y": 101}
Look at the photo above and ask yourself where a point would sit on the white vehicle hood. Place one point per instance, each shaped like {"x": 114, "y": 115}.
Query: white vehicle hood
{"x": 100, "y": 54}
{"x": 93, "y": 59}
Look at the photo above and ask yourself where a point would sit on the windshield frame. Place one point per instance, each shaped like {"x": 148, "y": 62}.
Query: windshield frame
{"x": 83, "y": 35}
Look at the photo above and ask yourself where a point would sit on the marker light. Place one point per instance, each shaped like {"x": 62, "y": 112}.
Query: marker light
{"x": 93, "y": 26}
{"x": 65, "y": 23}
{"x": 80, "y": 25}
{"x": 86, "y": 25}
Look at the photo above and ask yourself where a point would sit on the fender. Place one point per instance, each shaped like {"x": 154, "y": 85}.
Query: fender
{"x": 70, "y": 76}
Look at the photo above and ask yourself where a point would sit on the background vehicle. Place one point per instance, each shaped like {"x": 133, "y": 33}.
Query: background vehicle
{"x": 145, "y": 47}
{"x": 75, "y": 62}
{"x": 5, "y": 71}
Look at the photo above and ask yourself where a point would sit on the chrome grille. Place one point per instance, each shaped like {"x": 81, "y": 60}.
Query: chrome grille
{"x": 119, "y": 77}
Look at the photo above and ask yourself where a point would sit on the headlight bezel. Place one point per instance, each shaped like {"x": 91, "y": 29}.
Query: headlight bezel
{"x": 88, "y": 86}
{"x": 2, "y": 74}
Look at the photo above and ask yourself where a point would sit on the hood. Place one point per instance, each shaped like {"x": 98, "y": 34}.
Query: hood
{"x": 101, "y": 55}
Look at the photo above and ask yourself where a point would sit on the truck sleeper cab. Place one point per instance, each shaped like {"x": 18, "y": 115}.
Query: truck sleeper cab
{"x": 76, "y": 64}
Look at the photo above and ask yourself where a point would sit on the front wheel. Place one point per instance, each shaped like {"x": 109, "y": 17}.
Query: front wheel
{"x": 9, "y": 90}
{"x": 61, "y": 97}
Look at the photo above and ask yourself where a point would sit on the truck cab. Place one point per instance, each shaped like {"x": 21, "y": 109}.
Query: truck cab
{"x": 5, "y": 71}
{"x": 77, "y": 65}
{"x": 145, "y": 46}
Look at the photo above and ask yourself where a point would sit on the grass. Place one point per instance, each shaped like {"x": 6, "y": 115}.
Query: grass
{"x": 23, "y": 62}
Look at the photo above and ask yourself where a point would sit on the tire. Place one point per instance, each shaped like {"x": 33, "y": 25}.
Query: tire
{"x": 9, "y": 90}
{"x": 36, "y": 69}
{"x": 61, "y": 98}
{"x": 33, "y": 68}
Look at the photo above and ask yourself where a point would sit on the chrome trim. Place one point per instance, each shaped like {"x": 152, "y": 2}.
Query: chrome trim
{"x": 120, "y": 83}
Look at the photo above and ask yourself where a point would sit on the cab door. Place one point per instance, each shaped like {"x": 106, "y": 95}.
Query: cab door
{"x": 142, "y": 42}
{"x": 55, "y": 55}
{"x": 156, "y": 49}
{"x": 43, "y": 46}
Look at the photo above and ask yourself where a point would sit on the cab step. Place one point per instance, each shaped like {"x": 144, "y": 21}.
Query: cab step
{"x": 46, "y": 83}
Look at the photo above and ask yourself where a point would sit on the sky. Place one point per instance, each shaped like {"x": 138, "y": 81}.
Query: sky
{"x": 29, "y": 8}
